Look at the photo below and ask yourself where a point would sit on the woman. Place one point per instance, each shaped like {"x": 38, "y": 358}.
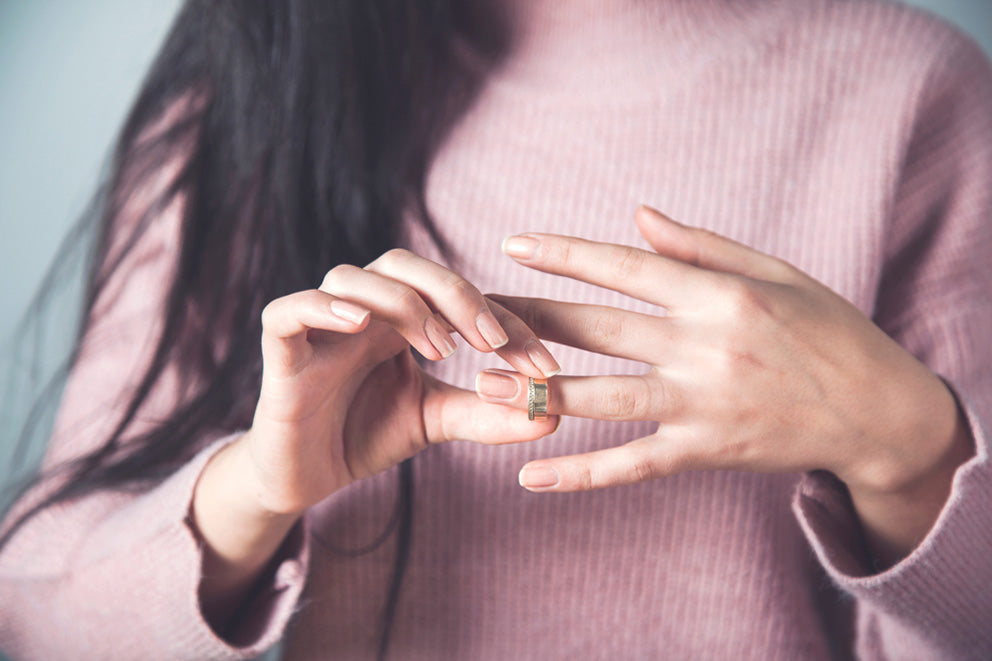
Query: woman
{"x": 220, "y": 494}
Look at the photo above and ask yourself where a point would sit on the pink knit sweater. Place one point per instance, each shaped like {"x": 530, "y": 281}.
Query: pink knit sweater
{"x": 851, "y": 138}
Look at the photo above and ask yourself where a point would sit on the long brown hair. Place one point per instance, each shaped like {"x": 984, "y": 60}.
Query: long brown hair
{"x": 305, "y": 132}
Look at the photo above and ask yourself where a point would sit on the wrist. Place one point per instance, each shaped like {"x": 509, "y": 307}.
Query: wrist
{"x": 242, "y": 488}
{"x": 236, "y": 527}
{"x": 900, "y": 506}
{"x": 239, "y": 536}
{"x": 912, "y": 480}
{"x": 917, "y": 437}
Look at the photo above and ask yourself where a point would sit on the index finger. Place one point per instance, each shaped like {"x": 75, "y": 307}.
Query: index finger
{"x": 644, "y": 275}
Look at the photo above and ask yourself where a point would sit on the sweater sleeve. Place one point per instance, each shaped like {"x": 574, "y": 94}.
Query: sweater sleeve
{"x": 935, "y": 299}
{"x": 115, "y": 574}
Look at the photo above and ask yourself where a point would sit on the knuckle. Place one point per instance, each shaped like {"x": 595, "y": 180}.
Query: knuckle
{"x": 559, "y": 254}
{"x": 664, "y": 399}
{"x": 744, "y": 301}
{"x": 641, "y": 468}
{"x": 583, "y": 477}
{"x": 269, "y": 313}
{"x": 624, "y": 401}
{"x": 336, "y": 275}
{"x": 461, "y": 291}
{"x": 606, "y": 331}
{"x": 731, "y": 360}
{"x": 407, "y": 302}
{"x": 391, "y": 260}
{"x": 629, "y": 261}
{"x": 702, "y": 245}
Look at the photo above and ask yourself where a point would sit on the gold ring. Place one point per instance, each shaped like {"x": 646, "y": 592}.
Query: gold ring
{"x": 537, "y": 399}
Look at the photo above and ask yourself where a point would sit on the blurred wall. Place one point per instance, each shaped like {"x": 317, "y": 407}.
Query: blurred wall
{"x": 68, "y": 71}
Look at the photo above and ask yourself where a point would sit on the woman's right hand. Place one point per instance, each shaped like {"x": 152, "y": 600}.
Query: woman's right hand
{"x": 342, "y": 397}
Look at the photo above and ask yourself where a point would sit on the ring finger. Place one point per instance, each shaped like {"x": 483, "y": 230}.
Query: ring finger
{"x": 616, "y": 397}
{"x": 600, "y": 329}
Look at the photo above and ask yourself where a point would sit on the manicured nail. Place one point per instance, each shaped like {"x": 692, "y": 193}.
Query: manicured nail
{"x": 521, "y": 247}
{"x": 439, "y": 337}
{"x": 658, "y": 215}
{"x": 538, "y": 477}
{"x": 490, "y": 329}
{"x": 542, "y": 358}
{"x": 348, "y": 311}
{"x": 496, "y": 385}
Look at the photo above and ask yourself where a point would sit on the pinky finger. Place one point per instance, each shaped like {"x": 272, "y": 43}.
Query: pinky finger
{"x": 638, "y": 461}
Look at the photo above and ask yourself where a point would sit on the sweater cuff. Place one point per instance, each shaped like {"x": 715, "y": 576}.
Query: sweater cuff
{"x": 173, "y": 600}
{"x": 940, "y": 589}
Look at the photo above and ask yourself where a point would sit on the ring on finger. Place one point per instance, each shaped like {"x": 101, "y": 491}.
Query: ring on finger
{"x": 537, "y": 399}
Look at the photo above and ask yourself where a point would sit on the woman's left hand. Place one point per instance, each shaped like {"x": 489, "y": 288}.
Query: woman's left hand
{"x": 756, "y": 366}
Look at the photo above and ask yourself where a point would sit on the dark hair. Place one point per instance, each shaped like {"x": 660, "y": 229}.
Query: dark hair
{"x": 302, "y": 130}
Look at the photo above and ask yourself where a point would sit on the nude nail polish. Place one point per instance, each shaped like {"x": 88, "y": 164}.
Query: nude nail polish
{"x": 496, "y": 386}
{"x": 542, "y": 358}
{"x": 538, "y": 477}
{"x": 491, "y": 331}
{"x": 521, "y": 247}
{"x": 348, "y": 311}
{"x": 439, "y": 337}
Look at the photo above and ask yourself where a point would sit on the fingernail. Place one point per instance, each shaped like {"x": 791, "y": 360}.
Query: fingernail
{"x": 490, "y": 329}
{"x": 496, "y": 385}
{"x": 521, "y": 247}
{"x": 348, "y": 311}
{"x": 542, "y": 358}
{"x": 438, "y": 337}
{"x": 538, "y": 477}
{"x": 658, "y": 215}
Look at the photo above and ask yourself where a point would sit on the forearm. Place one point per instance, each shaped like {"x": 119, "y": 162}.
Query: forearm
{"x": 239, "y": 536}
{"x": 896, "y": 520}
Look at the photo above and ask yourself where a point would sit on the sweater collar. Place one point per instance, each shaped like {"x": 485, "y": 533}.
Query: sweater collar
{"x": 582, "y": 47}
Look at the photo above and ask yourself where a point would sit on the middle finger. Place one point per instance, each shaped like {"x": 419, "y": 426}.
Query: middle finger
{"x": 597, "y": 328}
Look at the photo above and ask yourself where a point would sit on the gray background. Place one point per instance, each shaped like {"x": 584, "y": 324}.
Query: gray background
{"x": 68, "y": 71}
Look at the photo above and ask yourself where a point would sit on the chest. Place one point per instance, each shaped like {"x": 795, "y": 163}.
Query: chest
{"x": 784, "y": 174}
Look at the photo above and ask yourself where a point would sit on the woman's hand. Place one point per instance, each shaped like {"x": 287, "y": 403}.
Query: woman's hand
{"x": 756, "y": 366}
{"x": 342, "y": 396}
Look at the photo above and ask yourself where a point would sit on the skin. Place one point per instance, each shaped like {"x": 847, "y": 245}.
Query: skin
{"x": 755, "y": 367}
{"x": 332, "y": 357}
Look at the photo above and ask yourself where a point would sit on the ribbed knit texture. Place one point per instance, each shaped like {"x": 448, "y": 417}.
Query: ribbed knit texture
{"x": 851, "y": 138}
